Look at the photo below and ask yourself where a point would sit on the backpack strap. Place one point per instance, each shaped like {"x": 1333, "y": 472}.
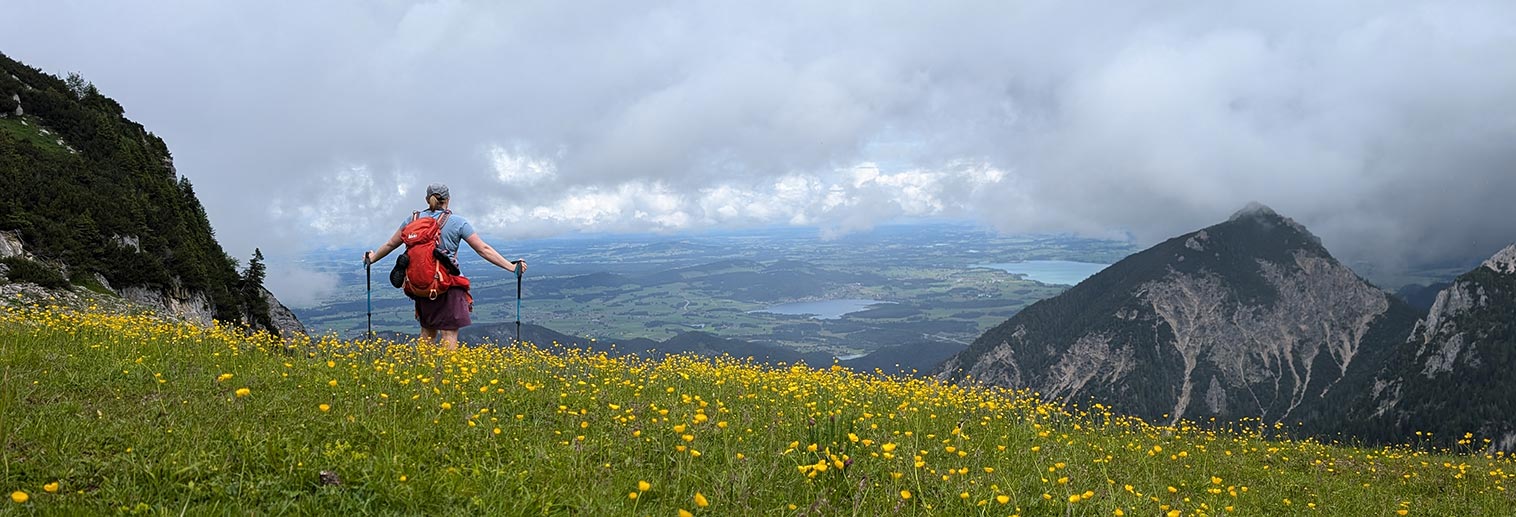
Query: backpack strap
{"x": 441, "y": 223}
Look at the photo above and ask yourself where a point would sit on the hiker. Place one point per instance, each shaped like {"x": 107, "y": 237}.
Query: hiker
{"x": 442, "y": 314}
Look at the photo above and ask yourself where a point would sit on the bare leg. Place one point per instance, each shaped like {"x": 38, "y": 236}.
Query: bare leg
{"x": 449, "y": 339}
{"x": 428, "y": 336}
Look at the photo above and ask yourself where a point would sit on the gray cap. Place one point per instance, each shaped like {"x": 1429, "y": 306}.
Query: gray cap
{"x": 437, "y": 188}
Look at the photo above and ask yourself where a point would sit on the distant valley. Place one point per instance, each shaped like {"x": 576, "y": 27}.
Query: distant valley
{"x": 934, "y": 284}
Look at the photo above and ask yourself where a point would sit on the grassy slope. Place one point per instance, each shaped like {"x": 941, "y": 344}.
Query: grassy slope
{"x": 135, "y": 414}
{"x": 29, "y": 132}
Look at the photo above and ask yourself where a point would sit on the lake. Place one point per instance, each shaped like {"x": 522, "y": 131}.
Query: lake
{"x": 824, "y": 309}
{"x": 1062, "y": 272}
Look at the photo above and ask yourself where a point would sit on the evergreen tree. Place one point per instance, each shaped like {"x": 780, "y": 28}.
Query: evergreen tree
{"x": 254, "y": 305}
{"x": 78, "y": 86}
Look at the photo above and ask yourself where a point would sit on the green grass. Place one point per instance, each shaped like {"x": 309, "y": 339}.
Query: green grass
{"x": 29, "y": 132}
{"x": 134, "y": 415}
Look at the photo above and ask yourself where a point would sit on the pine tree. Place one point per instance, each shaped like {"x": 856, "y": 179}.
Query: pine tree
{"x": 254, "y": 305}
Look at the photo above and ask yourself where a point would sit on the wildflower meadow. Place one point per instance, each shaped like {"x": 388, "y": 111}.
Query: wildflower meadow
{"x": 106, "y": 413}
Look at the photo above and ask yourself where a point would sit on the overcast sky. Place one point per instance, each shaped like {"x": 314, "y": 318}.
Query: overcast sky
{"x": 1388, "y": 128}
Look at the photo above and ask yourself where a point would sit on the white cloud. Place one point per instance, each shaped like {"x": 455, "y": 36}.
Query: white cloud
{"x": 836, "y": 201}
{"x": 296, "y": 286}
{"x": 519, "y": 167}
{"x": 1384, "y": 126}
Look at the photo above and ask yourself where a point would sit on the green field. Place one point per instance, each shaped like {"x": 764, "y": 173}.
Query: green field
{"x": 104, "y": 414}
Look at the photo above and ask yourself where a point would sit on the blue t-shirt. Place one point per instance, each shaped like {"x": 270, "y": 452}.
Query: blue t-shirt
{"x": 454, "y": 230}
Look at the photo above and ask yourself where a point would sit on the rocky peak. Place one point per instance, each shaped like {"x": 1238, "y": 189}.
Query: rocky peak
{"x": 1504, "y": 261}
{"x": 1267, "y": 219}
{"x": 1255, "y": 209}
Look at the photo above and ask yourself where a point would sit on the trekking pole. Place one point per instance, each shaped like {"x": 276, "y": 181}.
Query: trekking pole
{"x": 368, "y": 275}
{"x": 518, "y": 300}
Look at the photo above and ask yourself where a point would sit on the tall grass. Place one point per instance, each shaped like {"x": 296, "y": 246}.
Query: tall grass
{"x": 133, "y": 414}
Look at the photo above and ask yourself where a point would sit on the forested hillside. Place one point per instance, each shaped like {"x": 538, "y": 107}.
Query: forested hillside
{"x": 97, "y": 202}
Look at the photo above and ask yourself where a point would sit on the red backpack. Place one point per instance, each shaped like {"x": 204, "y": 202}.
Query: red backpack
{"x": 426, "y": 276}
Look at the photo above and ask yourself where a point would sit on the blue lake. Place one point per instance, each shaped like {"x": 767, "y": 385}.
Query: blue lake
{"x": 825, "y": 309}
{"x": 1061, "y": 272}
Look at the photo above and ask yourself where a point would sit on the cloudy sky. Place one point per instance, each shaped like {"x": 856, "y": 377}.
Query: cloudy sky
{"x": 1388, "y": 128}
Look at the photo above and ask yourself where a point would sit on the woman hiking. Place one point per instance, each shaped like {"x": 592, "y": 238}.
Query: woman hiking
{"x": 442, "y": 314}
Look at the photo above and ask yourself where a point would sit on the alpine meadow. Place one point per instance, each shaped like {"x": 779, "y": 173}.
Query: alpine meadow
{"x": 782, "y": 259}
{"x": 120, "y": 413}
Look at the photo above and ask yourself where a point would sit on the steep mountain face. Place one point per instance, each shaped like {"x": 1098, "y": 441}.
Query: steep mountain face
{"x": 1453, "y": 375}
{"x": 1248, "y": 318}
{"x": 96, "y": 203}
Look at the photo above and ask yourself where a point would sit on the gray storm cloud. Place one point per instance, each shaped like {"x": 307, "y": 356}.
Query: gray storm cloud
{"x": 1386, "y": 127}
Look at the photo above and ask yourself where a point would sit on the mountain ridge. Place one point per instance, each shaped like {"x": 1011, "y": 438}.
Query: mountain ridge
{"x": 1204, "y": 324}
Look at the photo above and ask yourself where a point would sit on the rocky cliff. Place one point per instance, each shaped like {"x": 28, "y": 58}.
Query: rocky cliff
{"x": 1249, "y": 318}
{"x": 284, "y": 320}
{"x": 177, "y": 303}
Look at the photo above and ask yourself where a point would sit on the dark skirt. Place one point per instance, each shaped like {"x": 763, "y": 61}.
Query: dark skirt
{"x": 448, "y": 312}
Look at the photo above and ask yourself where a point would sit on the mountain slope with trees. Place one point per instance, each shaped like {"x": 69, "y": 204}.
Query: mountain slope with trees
{"x": 95, "y": 201}
{"x": 1453, "y": 375}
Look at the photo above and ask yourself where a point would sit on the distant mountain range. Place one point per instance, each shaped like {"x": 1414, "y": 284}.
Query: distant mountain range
{"x": 1421, "y": 296}
{"x": 1253, "y": 318}
{"x": 902, "y": 359}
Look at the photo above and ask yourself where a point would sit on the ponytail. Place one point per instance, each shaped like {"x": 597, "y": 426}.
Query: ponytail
{"x": 434, "y": 202}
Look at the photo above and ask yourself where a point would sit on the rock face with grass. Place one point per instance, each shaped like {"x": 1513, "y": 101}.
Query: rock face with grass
{"x": 1249, "y": 318}
{"x": 1453, "y": 374}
